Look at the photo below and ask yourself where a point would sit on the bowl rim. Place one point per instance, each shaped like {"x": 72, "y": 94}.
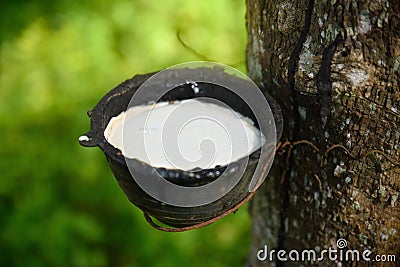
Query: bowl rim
{"x": 95, "y": 136}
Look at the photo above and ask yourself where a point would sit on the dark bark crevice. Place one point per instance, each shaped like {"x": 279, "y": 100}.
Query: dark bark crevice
{"x": 292, "y": 68}
{"x": 294, "y": 57}
{"x": 324, "y": 81}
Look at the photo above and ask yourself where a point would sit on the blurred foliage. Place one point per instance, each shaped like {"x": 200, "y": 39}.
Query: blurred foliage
{"x": 59, "y": 203}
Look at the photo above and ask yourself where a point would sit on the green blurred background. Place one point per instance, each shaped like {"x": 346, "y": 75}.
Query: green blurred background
{"x": 59, "y": 203}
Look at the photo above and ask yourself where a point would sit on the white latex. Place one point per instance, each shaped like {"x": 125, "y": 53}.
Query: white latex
{"x": 183, "y": 135}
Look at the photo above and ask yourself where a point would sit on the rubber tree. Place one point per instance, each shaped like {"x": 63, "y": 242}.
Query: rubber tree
{"x": 333, "y": 66}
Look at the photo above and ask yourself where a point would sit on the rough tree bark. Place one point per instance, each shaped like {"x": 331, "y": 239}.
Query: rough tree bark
{"x": 333, "y": 66}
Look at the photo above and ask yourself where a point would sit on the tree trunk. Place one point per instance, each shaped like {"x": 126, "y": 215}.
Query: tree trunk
{"x": 333, "y": 66}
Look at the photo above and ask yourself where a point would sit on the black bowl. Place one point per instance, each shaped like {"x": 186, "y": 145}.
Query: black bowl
{"x": 117, "y": 101}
